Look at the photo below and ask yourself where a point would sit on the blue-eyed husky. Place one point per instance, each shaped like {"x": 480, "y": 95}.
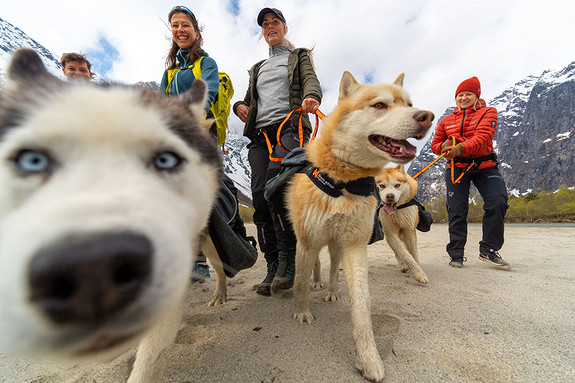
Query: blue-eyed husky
{"x": 105, "y": 193}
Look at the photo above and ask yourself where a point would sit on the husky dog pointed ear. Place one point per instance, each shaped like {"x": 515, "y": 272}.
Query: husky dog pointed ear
{"x": 26, "y": 65}
{"x": 400, "y": 168}
{"x": 399, "y": 80}
{"x": 347, "y": 86}
{"x": 197, "y": 96}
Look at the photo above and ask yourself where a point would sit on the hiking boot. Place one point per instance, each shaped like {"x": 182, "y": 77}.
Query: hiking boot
{"x": 457, "y": 262}
{"x": 493, "y": 257}
{"x": 286, "y": 269}
{"x": 264, "y": 288}
{"x": 200, "y": 273}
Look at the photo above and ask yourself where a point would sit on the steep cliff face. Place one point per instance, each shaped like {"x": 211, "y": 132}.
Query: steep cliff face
{"x": 534, "y": 140}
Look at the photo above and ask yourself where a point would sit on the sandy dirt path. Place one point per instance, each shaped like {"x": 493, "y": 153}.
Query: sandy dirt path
{"x": 476, "y": 324}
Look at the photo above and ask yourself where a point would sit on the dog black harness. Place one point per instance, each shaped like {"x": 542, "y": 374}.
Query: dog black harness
{"x": 364, "y": 186}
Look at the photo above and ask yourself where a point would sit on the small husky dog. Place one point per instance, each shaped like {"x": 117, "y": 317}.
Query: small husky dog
{"x": 105, "y": 193}
{"x": 399, "y": 226}
{"x": 368, "y": 128}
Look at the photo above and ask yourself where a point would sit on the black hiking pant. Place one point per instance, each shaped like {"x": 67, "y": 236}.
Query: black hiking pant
{"x": 275, "y": 231}
{"x": 491, "y": 186}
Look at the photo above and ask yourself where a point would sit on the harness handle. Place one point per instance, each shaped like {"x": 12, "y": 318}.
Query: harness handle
{"x": 318, "y": 115}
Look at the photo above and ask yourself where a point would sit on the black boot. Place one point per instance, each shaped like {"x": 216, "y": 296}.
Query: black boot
{"x": 264, "y": 288}
{"x": 284, "y": 278}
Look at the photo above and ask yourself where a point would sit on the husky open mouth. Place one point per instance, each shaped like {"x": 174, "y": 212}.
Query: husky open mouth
{"x": 389, "y": 207}
{"x": 400, "y": 149}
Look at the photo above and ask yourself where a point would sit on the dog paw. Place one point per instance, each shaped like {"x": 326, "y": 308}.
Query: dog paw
{"x": 303, "y": 317}
{"x": 217, "y": 301}
{"x": 317, "y": 285}
{"x": 372, "y": 369}
{"x": 331, "y": 296}
{"x": 420, "y": 277}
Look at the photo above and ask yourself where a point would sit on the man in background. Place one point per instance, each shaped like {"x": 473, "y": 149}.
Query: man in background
{"x": 76, "y": 67}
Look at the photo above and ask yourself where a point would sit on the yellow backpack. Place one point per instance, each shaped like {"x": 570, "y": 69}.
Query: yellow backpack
{"x": 220, "y": 108}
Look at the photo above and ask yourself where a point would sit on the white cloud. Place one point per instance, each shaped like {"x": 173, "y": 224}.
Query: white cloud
{"x": 436, "y": 43}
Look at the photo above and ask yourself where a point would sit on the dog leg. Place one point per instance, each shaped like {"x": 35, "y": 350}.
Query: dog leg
{"x": 368, "y": 360}
{"x": 305, "y": 260}
{"x": 221, "y": 293}
{"x": 316, "y": 279}
{"x": 401, "y": 252}
{"x": 335, "y": 253}
{"x": 410, "y": 240}
{"x": 153, "y": 350}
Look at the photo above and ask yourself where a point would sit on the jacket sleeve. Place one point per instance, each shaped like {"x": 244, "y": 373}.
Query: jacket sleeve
{"x": 439, "y": 137}
{"x": 164, "y": 82}
{"x": 311, "y": 87}
{"x": 211, "y": 76}
{"x": 483, "y": 136}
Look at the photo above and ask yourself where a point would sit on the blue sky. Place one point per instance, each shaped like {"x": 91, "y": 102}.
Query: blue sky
{"x": 437, "y": 43}
{"x": 102, "y": 57}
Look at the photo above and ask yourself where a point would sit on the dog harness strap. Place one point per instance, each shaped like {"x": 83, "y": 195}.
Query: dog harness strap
{"x": 409, "y": 203}
{"x": 363, "y": 186}
{"x": 323, "y": 181}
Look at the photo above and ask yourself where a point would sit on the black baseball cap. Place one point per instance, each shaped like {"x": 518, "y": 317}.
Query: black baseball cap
{"x": 275, "y": 11}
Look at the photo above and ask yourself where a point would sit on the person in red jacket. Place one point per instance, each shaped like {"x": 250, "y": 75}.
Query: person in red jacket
{"x": 466, "y": 136}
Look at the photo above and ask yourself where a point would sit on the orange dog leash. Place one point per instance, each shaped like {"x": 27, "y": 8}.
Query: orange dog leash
{"x": 318, "y": 115}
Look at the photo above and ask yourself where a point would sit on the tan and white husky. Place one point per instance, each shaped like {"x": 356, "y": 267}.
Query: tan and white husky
{"x": 368, "y": 128}
{"x": 399, "y": 226}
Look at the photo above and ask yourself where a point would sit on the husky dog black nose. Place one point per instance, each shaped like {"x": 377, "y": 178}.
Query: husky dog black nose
{"x": 86, "y": 278}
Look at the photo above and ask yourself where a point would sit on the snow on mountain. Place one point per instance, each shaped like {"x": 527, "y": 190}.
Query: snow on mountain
{"x": 14, "y": 38}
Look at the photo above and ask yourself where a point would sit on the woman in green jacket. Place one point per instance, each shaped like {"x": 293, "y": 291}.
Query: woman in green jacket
{"x": 283, "y": 82}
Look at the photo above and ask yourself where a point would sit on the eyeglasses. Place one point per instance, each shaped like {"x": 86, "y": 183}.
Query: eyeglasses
{"x": 185, "y": 9}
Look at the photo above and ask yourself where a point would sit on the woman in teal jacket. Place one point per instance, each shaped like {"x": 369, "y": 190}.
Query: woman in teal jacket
{"x": 186, "y": 49}
{"x": 178, "y": 78}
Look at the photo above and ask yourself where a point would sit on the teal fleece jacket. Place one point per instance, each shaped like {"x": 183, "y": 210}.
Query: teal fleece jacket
{"x": 183, "y": 79}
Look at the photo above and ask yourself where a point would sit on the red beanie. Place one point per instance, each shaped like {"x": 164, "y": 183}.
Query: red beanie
{"x": 471, "y": 85}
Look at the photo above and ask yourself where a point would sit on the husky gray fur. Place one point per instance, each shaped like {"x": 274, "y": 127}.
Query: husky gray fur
{"x": 105, "y": 194}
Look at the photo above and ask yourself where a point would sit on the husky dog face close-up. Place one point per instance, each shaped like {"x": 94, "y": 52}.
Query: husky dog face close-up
{"x": 105, "y": 190}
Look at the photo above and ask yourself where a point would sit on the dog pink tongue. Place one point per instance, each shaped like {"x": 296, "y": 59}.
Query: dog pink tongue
{"x": 389, "y": 208}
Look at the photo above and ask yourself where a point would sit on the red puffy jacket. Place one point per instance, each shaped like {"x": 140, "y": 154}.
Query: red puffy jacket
{"x": 474, "y": 129}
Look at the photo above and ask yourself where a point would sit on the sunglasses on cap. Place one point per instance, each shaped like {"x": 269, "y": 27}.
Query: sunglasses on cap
{"x": 185, "y": 9}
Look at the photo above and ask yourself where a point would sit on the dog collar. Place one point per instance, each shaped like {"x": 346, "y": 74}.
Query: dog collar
{"x": 363, "y": 186}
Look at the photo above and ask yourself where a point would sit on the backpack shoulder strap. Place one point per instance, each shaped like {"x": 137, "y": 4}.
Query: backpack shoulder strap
{"x": 197, "y": 67}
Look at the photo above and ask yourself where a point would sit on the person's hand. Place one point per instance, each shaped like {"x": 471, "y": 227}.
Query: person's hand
{"x": 453, "y": 151}
{"x": 309, "y": 105}
{"x": 242, "y": 112}
{"x": 447, "y": 143}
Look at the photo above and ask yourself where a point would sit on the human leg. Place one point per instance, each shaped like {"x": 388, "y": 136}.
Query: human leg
{"x": 259, "y": 160}
{"x": 491, "y": 186}
{"x": 284, "y": 278}
{"x": 457, "y": 208}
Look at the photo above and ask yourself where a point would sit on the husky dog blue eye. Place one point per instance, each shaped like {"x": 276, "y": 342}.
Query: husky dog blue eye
{"x": 167, "y": 161}
{"x": 31, "y": 161}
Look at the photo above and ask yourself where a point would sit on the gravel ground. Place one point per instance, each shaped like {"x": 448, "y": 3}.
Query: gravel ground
{"x": 475, "y": 324}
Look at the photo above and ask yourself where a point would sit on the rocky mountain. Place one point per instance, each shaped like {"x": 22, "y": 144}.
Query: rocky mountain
{"x": 533, "y": 140}
{"x": 12, "y": 38}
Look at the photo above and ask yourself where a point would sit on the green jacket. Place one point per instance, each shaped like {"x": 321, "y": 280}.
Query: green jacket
{"x": 303, "y": 83}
